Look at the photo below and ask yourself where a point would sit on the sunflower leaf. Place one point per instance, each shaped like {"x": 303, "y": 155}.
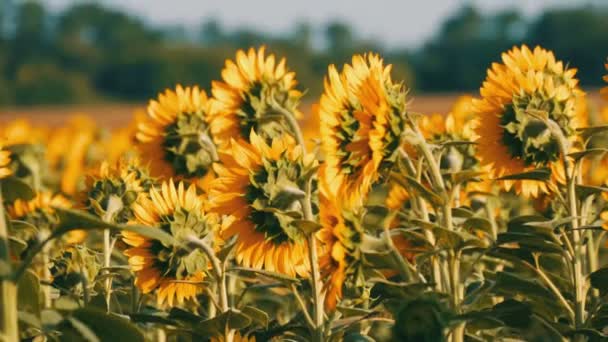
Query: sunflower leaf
{"x": 541, "y": 174}
{"x": 232, "y": 319}
{"x": 70, "y": 219}
{"x": 591, "y": 152}
{"x": 588, "y": 132}
{"x": 417, "y": 188}
{"x": 14, "y": 188}
{"x": 273, "y": 275}
{"x": 306, "y": 226}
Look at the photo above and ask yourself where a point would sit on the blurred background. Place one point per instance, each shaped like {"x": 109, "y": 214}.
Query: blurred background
{"x": 99, "y": 53}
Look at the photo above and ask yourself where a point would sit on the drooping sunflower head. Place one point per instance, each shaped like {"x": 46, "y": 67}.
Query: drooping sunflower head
{"x": 261, "y": 186}
{"x": 174, "y": 272}
{"x": 113, "y": 190}
{"x": 340, "y": 237}
{"x": 361, "y": 112}
{"x": 529, "y": 86}
{"x": 252, "y": 86}
{"x": 69, "y": 267}
{"x": 175, "y": 138}
{"x": 39, "y": 217}
{"x": 5, "y": 161}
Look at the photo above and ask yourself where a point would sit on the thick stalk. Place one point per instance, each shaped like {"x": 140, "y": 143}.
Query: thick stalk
{"x": 9, "y": 329}
{"x": 316, "y": 283}
{"x": 107, "y": 256}
{"x": 315, "y": 278}
{"x": 577, "y": 262}
{"x": 455, "y": 288}
{"x": 420, "y": 204}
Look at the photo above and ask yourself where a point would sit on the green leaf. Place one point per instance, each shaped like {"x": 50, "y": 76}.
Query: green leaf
{"x": 592, "y": 152}
{"x": 232, "y": 319}
{"x": 254, "y": 272}
{"x": 479, "y": 223}
{"x": 418, "y": 189}
{"x": 28, "y": 293}
{"x": 599, "y": 280}
{"x": 70, "y": 219}
{"x": 106, "y": 327}
{"x": 306, "y": 226}
{"x": 588, "y": 132}
{"x": 258, "y": 316}
{"x": 584, "y": 191}
{"x": 465, "y": 176}
{"x": 541, "y": 174}
{"x": 14, "y": 188}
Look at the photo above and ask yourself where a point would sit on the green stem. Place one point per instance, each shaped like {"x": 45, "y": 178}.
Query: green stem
{"x": 9, "y": 328}
{"x": 577, "y": 262}
{"x": 306, "y": 203}
{"x": 107, "y": 256}
{"x": 421, "y": 205}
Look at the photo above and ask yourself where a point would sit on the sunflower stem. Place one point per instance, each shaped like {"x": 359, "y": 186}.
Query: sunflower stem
{"x": 453, "y": 265}
{"x": 570, "y": 170}
{"x": 9, "y": 328}
{"x": 218, "y": 268}
{"x": 421, "y": 204}
{"x": 314, "y": 264}
{"x": 306, "y": 203}
{"x": 292, "y": 123}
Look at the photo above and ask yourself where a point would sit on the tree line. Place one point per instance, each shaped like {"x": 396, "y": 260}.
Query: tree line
{"x": 91, "y": 53}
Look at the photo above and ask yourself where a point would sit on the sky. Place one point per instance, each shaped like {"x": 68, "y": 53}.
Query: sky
{"x": 405, "y": 23}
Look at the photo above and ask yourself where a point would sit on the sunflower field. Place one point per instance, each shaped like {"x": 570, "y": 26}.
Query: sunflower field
{"x": 228, "y": 217}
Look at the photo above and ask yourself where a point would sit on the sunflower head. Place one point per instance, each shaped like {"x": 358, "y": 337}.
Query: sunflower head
{"x": 174, "y": 272}
{"x": 174, "y": 137}
{"x": 518, "y": 95}
{"x": 340, "y": 237}
{"x": 39, "y": 218}
{"x": 361, "y": 112}
{"x": 113, "y": 190}
{"x": 261, "y": 187}
{"x": 70, "y": 266}
{"x": 252, "y": 87}
{"x": 5, "y": 161}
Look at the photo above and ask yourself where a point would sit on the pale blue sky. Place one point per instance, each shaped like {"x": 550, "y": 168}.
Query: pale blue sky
{"x": 395, "y": 22}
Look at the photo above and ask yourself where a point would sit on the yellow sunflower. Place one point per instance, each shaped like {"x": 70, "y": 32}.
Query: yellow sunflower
{"x": 174, "y": 137}
{"x": 511, "y": 140}
{"x": 259, "y": 186}
{"x": 5, "y": 161}
{"x": 112, "y": 190}
{"x": 361, "y": 125}
{"x": 39, "y": 213}
{"x": 252, "y": 85}
{"x": 236, "y": 338}
{"x": 604, "y": 90}
{"x": 174, "y": 273}
{"x": 339, "y": 238}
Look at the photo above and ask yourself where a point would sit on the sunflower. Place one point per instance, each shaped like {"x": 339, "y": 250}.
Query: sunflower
{"x": 111, "y": 191}
{"x": 236, "y": 338}
{"x": 604, "y": 90}
{"x": 174, "y": 273}
{"x": 259, "y": 186}
{"x": 252, "y": 86}
{"x": 361, "y": 125}
{"x": 174, "y": 137}
{"x": 511, "y": 139}
{"x": 5, "y": 161}
{"x": 339, "y": 236}
{"x": 39, "y": 213}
